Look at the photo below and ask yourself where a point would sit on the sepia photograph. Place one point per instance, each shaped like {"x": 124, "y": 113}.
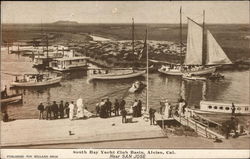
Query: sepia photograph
{"x": 125, "y": 79}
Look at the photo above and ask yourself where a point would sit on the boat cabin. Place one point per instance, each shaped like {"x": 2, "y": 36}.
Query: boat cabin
{"x": 32, "y": 77}
{"x": 68, "y": 63}
{"x": 224, "y": 107}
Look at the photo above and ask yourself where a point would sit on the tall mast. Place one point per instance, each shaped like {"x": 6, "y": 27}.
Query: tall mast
{"x": 47, "y": 46}
{"x": 203, "y": 40}
{"x": 146, "y": 42}
{"x": 181, "y": 36}
{"x": 133, "y": 38}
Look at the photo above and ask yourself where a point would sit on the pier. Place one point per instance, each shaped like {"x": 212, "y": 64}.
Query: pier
{"x": 34, "y": 132}
{"x": 198, "y": 123}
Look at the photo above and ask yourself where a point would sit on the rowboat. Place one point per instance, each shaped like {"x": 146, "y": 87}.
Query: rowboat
{"x": 221, "y": 108}
{"x": 114, "y": 76}
{"x": 11, "y": 99}
{"x": 35, "y": 80}
{"x": 137, "y": 87}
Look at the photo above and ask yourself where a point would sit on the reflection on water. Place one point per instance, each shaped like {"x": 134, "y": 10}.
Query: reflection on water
{"x": 234, "y": 88}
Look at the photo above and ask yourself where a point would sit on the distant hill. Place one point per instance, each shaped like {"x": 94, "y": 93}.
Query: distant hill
{"x": 65, "y": 22}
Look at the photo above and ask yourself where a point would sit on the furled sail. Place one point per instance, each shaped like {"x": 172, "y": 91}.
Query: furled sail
{"x": 215, "y": 54}
{"x": 194, "y": 44}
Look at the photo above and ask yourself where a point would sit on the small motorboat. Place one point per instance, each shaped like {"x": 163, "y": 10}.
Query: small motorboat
{"x": 35, "y": 80}
{"x": 137, "y": 86}
{"x": 191, "y": 77}
{"x": 114, "y": 76}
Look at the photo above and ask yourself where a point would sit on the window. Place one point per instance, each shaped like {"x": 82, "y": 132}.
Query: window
{"x": 238, "y": 108}
{"x": 209, "y": 107}
{"x": 215, "y": 107}
{"x": 246, "y": 109}
{"x": 227, "y": 108}
{"x": 221, "y": 108}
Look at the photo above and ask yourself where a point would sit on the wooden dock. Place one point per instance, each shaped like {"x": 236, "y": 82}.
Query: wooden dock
{"x": 200, "y": 126}
{"x": 34, "y": 132}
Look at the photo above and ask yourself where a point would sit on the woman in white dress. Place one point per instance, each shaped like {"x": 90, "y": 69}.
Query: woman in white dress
{"x": 71, "y": 110}
{"x": 79, "y": 104}
{"x": 166, "y": 112}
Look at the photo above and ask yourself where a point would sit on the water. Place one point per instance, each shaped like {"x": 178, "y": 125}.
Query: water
{"x": 73, "y": 86}
{"x": 235, "y": 88}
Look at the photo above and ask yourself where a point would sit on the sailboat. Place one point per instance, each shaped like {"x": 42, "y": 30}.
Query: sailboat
{"x": 198, "y": 60}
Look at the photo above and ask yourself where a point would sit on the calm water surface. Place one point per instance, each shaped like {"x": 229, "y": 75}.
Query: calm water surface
{"x": 235, "y": 88}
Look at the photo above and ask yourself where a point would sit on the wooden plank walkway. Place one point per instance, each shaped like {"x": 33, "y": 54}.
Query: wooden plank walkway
{"x": 21, "y": 133}
{"x": 200, "y": 129}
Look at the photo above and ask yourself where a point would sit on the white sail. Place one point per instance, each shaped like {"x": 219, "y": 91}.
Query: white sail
{"x": 194, "y": 44}
{"x": 215, "y": 54}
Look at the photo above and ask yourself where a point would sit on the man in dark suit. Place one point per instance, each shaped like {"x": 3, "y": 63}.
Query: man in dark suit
{"x": 109, "y": 107}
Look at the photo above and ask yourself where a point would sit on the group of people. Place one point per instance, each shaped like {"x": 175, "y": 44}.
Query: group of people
{"x": 169, "y": 110}
{"x": 180, "y": 68}
{"x": 70, "y": 110}
{"x": 105, "y": 108}
{"x": 53, "y": 111}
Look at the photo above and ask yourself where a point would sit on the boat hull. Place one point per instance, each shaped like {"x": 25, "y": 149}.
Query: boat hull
{"x": 203, "y": 112}
{"x": 204, "y": 71}
{"x": 195, "y": 78}
{"x": 70, "y": 68}
{"x": 37, "y": 84}
{"x": 114, "y": 77}
{"x": 12, "y": 99}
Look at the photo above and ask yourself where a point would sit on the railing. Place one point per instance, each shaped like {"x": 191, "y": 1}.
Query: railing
{"x": 200, "y": 129}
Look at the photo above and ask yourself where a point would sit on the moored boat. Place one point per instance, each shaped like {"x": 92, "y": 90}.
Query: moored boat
{"x": 221, "y": 108}
{"x": 198, "y": 60}
{"x": 69, "y": 63}
{"x": 11, "y": 98}
{"x": 137, "y": 86}
{"x": 114, "y": 76}
{"x": 35, "y": 80}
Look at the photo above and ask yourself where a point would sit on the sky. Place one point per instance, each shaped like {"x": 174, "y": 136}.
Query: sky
{"x": 122, "y": 11}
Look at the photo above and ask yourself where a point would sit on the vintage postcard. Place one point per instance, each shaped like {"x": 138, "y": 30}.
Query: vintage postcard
{"x": 125, "y": 79}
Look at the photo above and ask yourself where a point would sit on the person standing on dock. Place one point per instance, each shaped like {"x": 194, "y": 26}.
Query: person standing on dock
{"x": 134, "y": 108}
{"x": 152, "y": 116}
{"x": 55, "y": 110}
{"x": 109, "y": 107}
{"x": 71, "y": 110}
{"x": 124, "y": 114}
{"x": 48, "y": 111}
{"x": 167, "y": 109}
{"x": 233, "y": 109}
{"x": 122, "y": 104}
{"x": 97, "y": 109}
{"x": 103, "y": 113}
{"x": 61, "y": 110}
{"x": 139, "y": 108}
{"x": 116, "y": 107}
{"x": 66, "y": 107}
{"x": 41, "y": 110}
